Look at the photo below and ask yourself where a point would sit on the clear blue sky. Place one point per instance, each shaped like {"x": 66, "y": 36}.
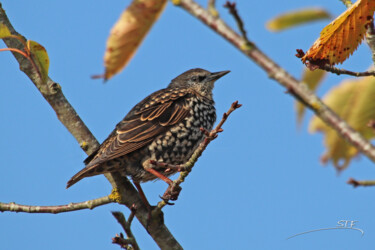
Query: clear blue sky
{"x": 260, "y": 182}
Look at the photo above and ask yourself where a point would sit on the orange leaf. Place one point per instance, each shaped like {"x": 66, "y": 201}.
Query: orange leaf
{"x": 128, "y": 33}
{"x": 339, "y": 39}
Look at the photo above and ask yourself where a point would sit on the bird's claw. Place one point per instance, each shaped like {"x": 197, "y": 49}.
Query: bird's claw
{"x": 166, "y": 200}
{"x": 171, "y": 194}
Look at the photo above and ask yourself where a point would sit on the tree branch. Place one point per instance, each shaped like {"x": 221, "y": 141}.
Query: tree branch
{"x": 363, "y": 183}
{"x": 52, "y": 92}
{"x": 297, "y": 89}
{"x": 338, "y": 71}
{"x": 233, "y": 11}
{"x": 119, "y": 239}
{"x": 323, "y": 65}
{"x": 91, "y": 204}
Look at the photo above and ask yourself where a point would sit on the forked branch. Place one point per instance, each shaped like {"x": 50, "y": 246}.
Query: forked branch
{"x": 119, "y": 239}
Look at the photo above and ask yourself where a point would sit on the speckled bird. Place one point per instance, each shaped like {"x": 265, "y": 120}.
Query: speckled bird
{"x": 164, "y": 127}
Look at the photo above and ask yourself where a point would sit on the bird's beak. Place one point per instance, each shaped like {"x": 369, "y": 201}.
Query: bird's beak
{"x": 216, "y": 75}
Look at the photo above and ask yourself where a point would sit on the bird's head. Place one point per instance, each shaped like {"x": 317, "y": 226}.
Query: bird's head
{"x": 200, "y": 80}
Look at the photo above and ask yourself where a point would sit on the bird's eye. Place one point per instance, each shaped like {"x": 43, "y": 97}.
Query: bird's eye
{"x": 194, "y": 78}
{"x": 201, "y": 78}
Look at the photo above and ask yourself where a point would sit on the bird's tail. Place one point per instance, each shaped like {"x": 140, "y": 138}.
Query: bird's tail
{"x": 85, "y": 172}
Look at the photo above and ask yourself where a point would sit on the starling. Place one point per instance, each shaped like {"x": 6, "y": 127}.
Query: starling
{"x": 164, "y": 127}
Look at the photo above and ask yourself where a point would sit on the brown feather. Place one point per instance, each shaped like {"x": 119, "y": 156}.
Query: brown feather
{"x": 157, "y": 113}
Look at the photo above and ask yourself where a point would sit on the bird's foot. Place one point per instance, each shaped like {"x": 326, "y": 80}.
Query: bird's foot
{"x": 172, "y": 193}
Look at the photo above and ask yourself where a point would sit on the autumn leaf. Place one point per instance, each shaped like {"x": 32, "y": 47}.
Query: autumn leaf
{"x": 339, "y": 39}
{"x": 33, "y": 51}
{"x": 352, "y": 100}
{"x": 128, "y": 33}
{"x": 295, "y": 18}
{"x": 312, "y": 79}
{"x": 40, "y": 58}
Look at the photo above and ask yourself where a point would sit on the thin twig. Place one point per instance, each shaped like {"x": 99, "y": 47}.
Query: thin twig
{"x": 323, "y": 65}
{"x": 126, "y": 225}
{"x": 364, "y": 183}
{"x": 233, "y": 11}
{"x": 123, "y": 242}
{"x": 52, "y": 92}
{"x": 173, "y": 191}
{"x": 15, "y": 50}
{"x": 338, "y": 71}
{"x": 279, "y": 74}
{"x": 91, "y": 204}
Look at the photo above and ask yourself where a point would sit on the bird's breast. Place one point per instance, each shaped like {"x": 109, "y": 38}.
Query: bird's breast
{"x": 179, "y": 142}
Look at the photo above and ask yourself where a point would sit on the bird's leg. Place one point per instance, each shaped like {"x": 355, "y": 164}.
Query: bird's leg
{"x": 159, "y": 175}
{"x": 142, "y": 195}
{"x": 145, "y": 201}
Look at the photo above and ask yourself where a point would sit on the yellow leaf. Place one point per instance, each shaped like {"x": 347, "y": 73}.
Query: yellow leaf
{"x": 339, "y": 39}
{"x": 295, "y": 18}
{"x": 352, "y": 100}
{"x": 4, "y": 31}
{"x": 39, "y": 57}
{"x": 312, "y": 79}
{"x": 128, "y": 33}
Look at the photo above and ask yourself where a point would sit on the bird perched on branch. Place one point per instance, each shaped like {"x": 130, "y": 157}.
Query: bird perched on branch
{"x": 164, "y": 127}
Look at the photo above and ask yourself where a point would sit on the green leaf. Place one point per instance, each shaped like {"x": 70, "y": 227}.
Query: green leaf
{"x": 352, "y": 100}
{"x": 295, "y": 18}
{"x": 40, "y": 57}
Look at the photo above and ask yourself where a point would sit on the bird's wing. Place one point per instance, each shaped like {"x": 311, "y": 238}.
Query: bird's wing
{"x": 150, "y": 118}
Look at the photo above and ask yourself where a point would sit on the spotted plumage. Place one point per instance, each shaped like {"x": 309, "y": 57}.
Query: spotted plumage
{"x": 165, "y": 127}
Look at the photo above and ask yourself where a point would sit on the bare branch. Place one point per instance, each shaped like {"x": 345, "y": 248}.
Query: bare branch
{"x": 91, "y": 204}
{"x": 52, "y": 92}
{"x": 173, "y": 190}
{"x": 364, "y": 183}
{"x": 338, "y": 71}
{"x": 324, "y": 65}
{"x": 294, "y": 87}
{"x": 122, "y": 242}
{"x": 119, "y": 239}
{"x": 233, "y": 11}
